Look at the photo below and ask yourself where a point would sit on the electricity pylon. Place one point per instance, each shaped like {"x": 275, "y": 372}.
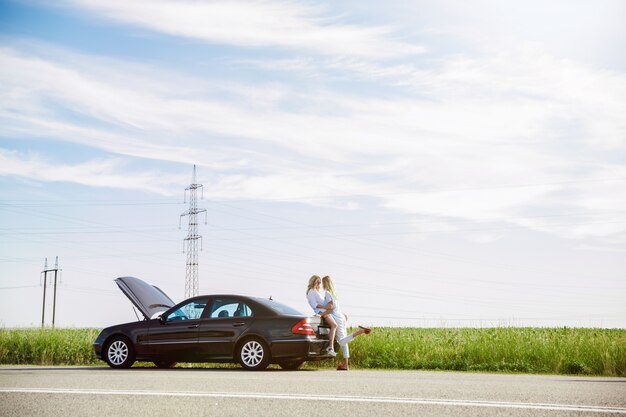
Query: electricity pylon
{"x": 54, "y": 300}
{"x": 190, "y": 244}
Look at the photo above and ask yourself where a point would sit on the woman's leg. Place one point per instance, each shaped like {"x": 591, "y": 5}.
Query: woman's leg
{"x": 343, "y": 340}
{"x": 331, "y": 333}
{"x": 345, "y": 348}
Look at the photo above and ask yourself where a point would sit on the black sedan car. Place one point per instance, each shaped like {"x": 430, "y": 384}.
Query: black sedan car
{"x": 211, "y": 328}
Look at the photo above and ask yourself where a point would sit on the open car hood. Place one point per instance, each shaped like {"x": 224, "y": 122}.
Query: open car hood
{"x": 150, "y": 300}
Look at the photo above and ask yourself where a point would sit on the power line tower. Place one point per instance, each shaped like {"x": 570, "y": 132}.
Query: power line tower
{"x": 54, "y": 300}
{"x": 190, "y": 244}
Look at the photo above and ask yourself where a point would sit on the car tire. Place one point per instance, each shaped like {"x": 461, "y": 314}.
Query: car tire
{"x": 290, "y": 365}
{"x": 164, "y": 364}
{"x": 119, "y": 353}
{"x": 253, "y": 354}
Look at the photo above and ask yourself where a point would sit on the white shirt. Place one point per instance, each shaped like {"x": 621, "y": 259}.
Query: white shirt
{"x": 315, "y": 299}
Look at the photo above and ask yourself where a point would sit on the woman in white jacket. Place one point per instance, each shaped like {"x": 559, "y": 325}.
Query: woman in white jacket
{"x": 330, "y": 299}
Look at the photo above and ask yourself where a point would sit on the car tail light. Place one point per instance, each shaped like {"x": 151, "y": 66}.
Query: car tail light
{"x": 303, "y": 327}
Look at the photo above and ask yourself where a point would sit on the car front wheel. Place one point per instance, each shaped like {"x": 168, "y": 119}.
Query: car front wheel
{"x": 254, "y": 355}
{"x": 120, "y": 353}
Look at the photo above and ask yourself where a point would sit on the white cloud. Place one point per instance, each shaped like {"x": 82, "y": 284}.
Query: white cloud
{"x": 269, "y": 23}
{"x": 95, "y": 173}
{"x": 462, "y": 143}
{"x": 587, "y": 32}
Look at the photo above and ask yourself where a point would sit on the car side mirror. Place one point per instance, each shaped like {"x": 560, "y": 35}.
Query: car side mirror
{"x": 162, "y": 319}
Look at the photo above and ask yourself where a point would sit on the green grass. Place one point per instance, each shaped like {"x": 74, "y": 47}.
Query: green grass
{"x": 505, "y": 349}
{"x": 48, "y": 346}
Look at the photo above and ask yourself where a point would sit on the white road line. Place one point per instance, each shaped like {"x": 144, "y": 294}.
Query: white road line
{"x": 280, "y": 396}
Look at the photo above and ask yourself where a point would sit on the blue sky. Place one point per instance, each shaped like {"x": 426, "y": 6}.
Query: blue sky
{"x": 448, "y": 163}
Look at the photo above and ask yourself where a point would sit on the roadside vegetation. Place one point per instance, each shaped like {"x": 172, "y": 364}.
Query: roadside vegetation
{"x": 501, "y": 349}
{"x": 505, "y": 349}
{"x": 48, "y": 346}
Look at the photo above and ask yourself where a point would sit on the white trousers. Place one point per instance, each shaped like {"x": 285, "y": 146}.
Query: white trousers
{"x": 342, "y": 337}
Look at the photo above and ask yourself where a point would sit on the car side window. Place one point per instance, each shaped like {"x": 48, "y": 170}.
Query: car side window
{"x": 230, "y": 308}
{"x": 189, "y": 311}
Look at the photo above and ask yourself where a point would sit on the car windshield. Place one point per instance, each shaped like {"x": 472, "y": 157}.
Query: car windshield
{"x": 279, "y": 307}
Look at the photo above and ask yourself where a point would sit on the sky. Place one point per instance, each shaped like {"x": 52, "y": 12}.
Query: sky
{"x": 448, "y": 163}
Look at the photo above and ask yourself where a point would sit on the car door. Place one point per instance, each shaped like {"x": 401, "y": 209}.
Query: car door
{"x": 175, "y": 335}
{"x": 224, "y": 322}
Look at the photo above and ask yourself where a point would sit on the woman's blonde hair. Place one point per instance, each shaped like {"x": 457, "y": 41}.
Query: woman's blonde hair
{"x": 329, "y": 286}
{"x": 312, "y": 283}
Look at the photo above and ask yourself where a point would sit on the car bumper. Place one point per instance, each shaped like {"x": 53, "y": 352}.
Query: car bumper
{"x": 302, "y": 349}
{"x": 98, "y": 344}
{"x": 97, "y": 350}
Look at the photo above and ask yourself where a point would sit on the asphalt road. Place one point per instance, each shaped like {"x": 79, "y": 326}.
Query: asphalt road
{"x": 74, "y": 391}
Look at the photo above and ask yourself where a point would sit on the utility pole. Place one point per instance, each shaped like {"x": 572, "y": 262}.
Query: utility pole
{"x": 54, "y": 299}
{"x": 190, "y": 243}
{"x": 45, "y": 279}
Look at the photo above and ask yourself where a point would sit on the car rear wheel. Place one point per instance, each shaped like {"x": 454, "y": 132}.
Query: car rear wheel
{"x": 120, "y": 353}
{"x": 290, "y": 365}
{"x": 254, "y": 355}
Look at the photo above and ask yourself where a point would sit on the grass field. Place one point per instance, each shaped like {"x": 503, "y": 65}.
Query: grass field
{"x": 509, "y": 349}
{"x": 505, "y": 349}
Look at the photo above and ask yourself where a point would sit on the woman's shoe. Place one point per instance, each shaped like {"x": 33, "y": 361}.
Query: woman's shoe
{"x": 342, "y": 367}
{"x": 365, "y": 329}
{"x": 330, "y": 351}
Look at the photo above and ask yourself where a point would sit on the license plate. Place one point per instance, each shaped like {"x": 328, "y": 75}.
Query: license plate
{"x": 323, "y": 330}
